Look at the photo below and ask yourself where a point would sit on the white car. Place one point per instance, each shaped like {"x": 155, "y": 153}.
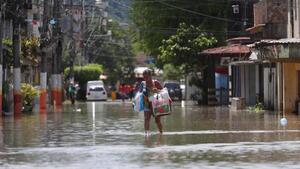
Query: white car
{"x": 96, "y": 91}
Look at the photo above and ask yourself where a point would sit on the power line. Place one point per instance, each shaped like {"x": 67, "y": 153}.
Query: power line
{"x": 123, "y": 5}
{"x": 173, "y": 29}
{"x": 198, "y": 13}
{"x": 208, "y": 1}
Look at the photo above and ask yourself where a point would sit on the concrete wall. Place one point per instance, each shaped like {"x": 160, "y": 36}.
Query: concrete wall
{"x": 290, "y": 86}
{"x": 273, "y": 13}
{"x": 294, "y": 25}
{"x": 260, "y": 10}
{"x": 270, "y": 11}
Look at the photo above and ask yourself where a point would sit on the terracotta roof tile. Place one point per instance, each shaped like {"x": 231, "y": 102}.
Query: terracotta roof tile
{"x": 234, "y": 50}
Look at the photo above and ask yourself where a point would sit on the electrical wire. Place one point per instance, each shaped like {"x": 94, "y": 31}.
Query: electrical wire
{"x": 198, "y": 13}
{"x": 123, "y": 5}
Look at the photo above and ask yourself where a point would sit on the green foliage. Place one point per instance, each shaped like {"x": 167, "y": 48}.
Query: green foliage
{"x": 257, "y": 107}
{"x": 28, "y": 93}
{"x": 7, "y": 43}
{"x": 183, "y": 48}
{"x": 83, "y": 74}
{"x": 157, "y": 20}
{"x": 29, "y": 50}
{"x": 171, "y": 72}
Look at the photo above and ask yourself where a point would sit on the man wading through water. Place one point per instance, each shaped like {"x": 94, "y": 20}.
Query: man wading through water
{"x": 149, "y": 87}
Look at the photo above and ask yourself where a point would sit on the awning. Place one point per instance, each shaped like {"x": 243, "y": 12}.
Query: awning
{"x": 279, "y": 50}
{"x": 269, "y": 42}
{"x": 245, "y": 62}
{"x": 221, "y": 70}
{"x": 234, "y": 50}
{"x": 256, "y": 28}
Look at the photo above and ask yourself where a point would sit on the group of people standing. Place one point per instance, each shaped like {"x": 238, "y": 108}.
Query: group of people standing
{"x": 126, "y": 91}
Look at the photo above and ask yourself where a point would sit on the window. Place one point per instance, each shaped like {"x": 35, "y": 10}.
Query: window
{"x": 172, "y": 85}
{"x": 96, "y": 89}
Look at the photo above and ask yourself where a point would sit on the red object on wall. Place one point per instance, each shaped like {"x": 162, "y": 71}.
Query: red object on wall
{"x": 221, "y": 70}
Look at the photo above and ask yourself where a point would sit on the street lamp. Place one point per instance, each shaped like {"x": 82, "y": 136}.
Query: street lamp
{"x": 236, "y": 9}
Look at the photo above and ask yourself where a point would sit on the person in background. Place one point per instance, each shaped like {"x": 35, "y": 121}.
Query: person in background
{"x": 127, "y": 90}
{"x": 131, "y": 89}
{"x": 149, "y": 87}
{"x": 72, "y": 92}
{"x": 122, "y": 91}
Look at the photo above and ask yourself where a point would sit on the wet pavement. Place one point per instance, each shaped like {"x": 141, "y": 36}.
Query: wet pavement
{"x": 111, "y": 135}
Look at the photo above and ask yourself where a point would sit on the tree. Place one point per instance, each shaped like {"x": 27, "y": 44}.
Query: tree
{"x": 171, "y": 72}
{"x": 157, "y": 20}
{"x": 29, "y": 50}
{"x": 182, "y": 49}
{"x": 115, "y": 54}
{"x": 83, "y": 74}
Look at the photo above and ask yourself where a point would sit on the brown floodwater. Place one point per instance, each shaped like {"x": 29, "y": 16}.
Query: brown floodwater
{"x": 111, "y": 135}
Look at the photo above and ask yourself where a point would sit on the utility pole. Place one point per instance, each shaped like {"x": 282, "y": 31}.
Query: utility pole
{"x": 83, "y": 30}
{"x": 16, "y": 54}
{"x": 245, "y": 19}
{"x": 56, "y": 77}
{"x": 43, "y": 48}
{"x": 72, "y": 46}
{"x": 1, "y": 53}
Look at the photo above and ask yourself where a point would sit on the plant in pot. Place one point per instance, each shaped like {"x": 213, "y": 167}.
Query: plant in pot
{"x": 28, "y": 93}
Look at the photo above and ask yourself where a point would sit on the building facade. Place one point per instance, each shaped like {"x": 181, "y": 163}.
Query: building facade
{"x": 277, "y": 60}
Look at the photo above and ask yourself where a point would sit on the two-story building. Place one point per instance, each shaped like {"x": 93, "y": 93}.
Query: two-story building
{"x": 276, "y": 31}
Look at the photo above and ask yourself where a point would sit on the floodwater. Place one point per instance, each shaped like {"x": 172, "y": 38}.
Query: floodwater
{"x": 111, "y": 135}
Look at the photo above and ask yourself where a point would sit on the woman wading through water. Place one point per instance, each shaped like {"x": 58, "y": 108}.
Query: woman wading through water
{"x": 149, "y": 87}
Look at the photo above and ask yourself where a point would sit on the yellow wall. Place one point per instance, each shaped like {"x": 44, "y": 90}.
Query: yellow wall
{"x": 290, "y": 86}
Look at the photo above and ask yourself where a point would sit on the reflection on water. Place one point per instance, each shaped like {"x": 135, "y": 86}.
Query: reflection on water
{"x": 110, "y": 135}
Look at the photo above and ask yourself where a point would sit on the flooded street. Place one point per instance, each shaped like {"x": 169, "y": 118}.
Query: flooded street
{"x": 111, "y": 135}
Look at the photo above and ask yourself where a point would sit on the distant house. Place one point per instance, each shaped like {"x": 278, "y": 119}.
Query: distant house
{"x": 274, "y": 66}
{"x": 219, "y": 68}
{"x": 217, "y": 75}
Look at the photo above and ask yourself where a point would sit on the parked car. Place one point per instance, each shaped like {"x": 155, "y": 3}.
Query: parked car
{"x": 95, "y": 83}
{"x": 174, "y": 89}
{"x": 96, "y": 91}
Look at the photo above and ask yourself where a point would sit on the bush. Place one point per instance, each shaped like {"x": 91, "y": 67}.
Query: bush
{"x": 258, "y": 107}
{"x": 28, "y": 93}
{"x": 83, "y": 74}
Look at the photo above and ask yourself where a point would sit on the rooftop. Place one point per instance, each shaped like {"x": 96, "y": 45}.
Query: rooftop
{"x": 234, "y": 50}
